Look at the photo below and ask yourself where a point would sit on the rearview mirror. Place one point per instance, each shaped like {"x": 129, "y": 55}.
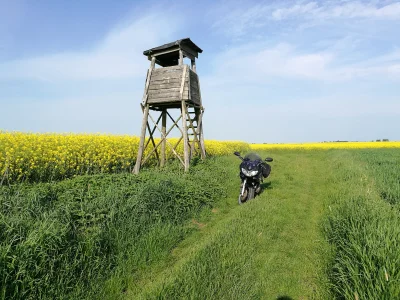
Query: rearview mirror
{"x": 268, "y": 159}
{"x": 236, "y": 153}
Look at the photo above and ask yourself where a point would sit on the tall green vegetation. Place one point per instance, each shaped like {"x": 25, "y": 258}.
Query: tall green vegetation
{"x": 364, "y": 225}
{"x": 269, "y": 248}
{"x": 123, "y": 236}
{"x": 64, "y": 239}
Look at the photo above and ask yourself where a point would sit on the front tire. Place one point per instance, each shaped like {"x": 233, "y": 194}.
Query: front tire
{"x": 243, "y": 199}
{"x": 240, "y": 200}
{"x": 250, "y": 193}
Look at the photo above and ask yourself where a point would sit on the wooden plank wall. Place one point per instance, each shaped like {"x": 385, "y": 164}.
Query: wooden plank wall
{"x": 165, "y": 84}
{"x": 194, "y": 87}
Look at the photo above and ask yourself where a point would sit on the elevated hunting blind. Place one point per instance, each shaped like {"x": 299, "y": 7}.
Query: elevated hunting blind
{"x": 174, "y": 85}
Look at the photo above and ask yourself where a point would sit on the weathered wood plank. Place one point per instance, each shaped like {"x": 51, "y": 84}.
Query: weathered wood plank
{"x": 194, "y": 97}
{"x": 184, "y": 76}
{"x": 173, "y": 75}
{"x": 168, "y": 91}
{"x": 193, "y": 74}
{"x": 171, "y": 99}
{"x": 194, "y": 84}
{"x": 194, "y": 81}
{"x": 158, "y": 72}
{"x": 165, "y": 95}
{"x": 164, "y": 86}
{"x": 194, "y": 88}
{"x": 164, "y": 91}
{"x": 195, "y": 100}
{"x": 166, "y": 76}
{"x": 165, "y": 81}
{"x": 168, "y": 69}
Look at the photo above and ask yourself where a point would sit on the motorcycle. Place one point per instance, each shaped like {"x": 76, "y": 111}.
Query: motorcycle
{"x": 253, "y": 170}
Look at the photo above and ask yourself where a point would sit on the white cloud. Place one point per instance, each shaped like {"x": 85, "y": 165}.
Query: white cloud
{"x": 119, "y": 55}
{"x": 295, "y": 10}
{"x": 259, "y": 63}
{"x": 240, "y": 21}
{"x": 331, "y": 10}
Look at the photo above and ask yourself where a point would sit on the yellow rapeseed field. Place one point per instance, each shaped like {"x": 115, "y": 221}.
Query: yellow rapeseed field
{"x": 327, "y": 145}
{"x": 37, "y": 157}
{"x": 34, "y": 156}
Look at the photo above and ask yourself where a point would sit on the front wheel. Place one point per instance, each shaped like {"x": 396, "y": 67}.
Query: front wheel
{"x": 250, "y": 193}
{"x": 247, "y": 195}
{"x": 243, "y": 199}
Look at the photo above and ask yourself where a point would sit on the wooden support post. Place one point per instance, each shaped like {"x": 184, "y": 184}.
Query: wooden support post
{"x": 200, "y": 133}
{"x": 193, "y": 65}
{"x": 163, "y": 133}
{"x": 184, "y": 122}
{"x": 185, "y": 137}
{"x": 196, "y": 142}
{"x": 180, "y": 57}
{"x": 200, "y": 124}
{"x": 142, "y": 138}
{"x": 149, "y": 72}
{"x": 153, "y": 62}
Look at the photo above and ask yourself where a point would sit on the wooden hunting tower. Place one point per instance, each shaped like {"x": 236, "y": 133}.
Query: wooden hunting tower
{"x": 174, "y": 85}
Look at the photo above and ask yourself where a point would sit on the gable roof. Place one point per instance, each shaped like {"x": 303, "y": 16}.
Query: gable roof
{"x": 186, "y": 42}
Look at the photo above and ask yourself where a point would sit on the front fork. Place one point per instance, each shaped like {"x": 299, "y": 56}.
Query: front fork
{"x": 244, "y": 186}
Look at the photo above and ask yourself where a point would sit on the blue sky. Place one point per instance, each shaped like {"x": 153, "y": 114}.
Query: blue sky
{"x": 272, "y": 71}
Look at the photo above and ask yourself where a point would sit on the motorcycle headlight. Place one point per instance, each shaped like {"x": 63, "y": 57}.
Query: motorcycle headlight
{"x": 249, "y": 173}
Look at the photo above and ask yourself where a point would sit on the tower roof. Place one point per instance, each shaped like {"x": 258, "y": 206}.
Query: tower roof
{"x": 168, "y": 54}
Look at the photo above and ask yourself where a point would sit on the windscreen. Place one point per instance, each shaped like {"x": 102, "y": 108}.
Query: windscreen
{"x": 252, "y": 156}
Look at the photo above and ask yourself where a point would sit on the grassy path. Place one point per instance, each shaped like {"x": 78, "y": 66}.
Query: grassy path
{"x": 126, "y": 237}
{"x": 270, "y": 248}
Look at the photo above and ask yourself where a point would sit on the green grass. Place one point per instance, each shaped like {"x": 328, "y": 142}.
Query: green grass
{"x": 271, "y": 247}
{"x": 364, "y": 225}
{"x": 65, "y": 239}
{"x": 326, "y": 227}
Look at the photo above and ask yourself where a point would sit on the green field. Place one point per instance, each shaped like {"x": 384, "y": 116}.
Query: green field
{"x": 325, "y": 227}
